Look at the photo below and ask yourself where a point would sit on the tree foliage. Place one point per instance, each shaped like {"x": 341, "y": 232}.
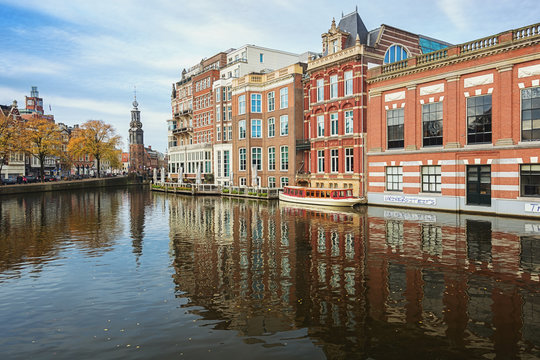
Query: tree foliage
{"x": 97, "y": 139}
{"x": 42, "y": 139}
{"x": 10, "y": 136}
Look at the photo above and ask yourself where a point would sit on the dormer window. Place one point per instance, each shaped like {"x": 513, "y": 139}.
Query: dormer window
{"x": 335, "y": 46}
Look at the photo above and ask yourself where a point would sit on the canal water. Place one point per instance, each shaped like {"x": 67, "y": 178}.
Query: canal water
{"x": 116, "y": 274}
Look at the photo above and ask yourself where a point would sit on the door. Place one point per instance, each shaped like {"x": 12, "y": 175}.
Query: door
{"x": 479, "y": 185}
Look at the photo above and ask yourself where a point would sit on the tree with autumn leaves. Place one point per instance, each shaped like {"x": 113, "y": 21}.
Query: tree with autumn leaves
{"x": 42, "y": 139}
{"x": 11, "y": 140}
{"x": 97, "y": 139}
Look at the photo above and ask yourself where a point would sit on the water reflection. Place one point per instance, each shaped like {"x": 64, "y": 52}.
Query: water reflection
{"x": 374, "y": 283}
{"x": 36, "y": 228}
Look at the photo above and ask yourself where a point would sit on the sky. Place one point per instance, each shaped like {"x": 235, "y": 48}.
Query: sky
{"x": 86, "y": 57}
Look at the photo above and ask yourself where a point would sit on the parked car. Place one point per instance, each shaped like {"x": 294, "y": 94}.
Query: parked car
{"x": 49, "y": 178}
{"x": 29, "y": 179}
{"x": 9, "y": 181}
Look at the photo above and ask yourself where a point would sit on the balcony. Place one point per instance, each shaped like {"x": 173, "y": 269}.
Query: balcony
{"x": 303, "y": 144}
{"x": 183, "y": 130}
{"x": 183, "y": 113}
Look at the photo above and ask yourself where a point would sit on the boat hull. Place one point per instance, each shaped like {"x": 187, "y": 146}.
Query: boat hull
{"x": 321, "y": 201}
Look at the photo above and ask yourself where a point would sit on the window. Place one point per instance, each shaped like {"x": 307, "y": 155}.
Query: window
{"x": 333, "y": 86}
{"x": 394, "y": 178}
{"x": 256, "y": 128}
{"x": 242, "y": 159}
{"x": 395, "y": 53}
{"x": 348, "y": 83}
{"x": 320, "y": 126}
{"x": 271, "y": 127}
{"x": 218, "y": 135}
{"x": 271, "y": 101}
{"x": 333, "y": 124}
{"x": 530, "y": 114}
{"x": 243, "y": 181}
{"x": 256, "y": 101}
{"x": 242, "y": 129}
{"x": 283, "y": 98}
{"x": 432, "y": 122}
{"x": 226, "y": 163}
{"x": 348, "y": 122}
{"x": 261, "y": 56}
{"x": 217, "y": 94}
{"x": 320, "y": 161}
{"x": 218, "y": 114}
{"x": 229, "y": 109}
{"x": 284, "y": 152}
{"x": 479, "y": 119}
{"x": 349, "y": 162}
{"x": 271, "y": 158}
{"x": 284, "y": 125}
{"x": 219, "y": 163}
{"x": 431, "y": 179}
{"x": 335, "y": 46}
{"x": 284, "y": 181}
{"x": 320, "y": 90}
{"x": 394, "y": 120}
{"x": 256, "y": 158}
{"x": 241, "y": 104}
{"x": 271, "y": 182}
{"x": 334, "y": 160}
{"x": 530, "y": 180}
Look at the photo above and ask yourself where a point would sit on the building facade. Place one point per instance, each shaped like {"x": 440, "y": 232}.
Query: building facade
{"x": 191, "y": 130}
{"x": 459, "y": 128}
{"x": 336, "y": 101}
{"x": 267, "y": 122}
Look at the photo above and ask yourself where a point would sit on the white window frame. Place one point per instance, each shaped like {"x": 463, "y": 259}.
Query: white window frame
{"x": 284, "y": 98}
{"x": 241, "y": 104}
{"x": 348, "y": 83}
{"x": 256, "y": 99}
{"x": 334, "y": 130}
{"x": 320, "y": 90}
{"x": 271, "y": 127}
{"x": 349, "y": 160}
{"x": 284, "y": 131}
{"x": 320, "y": 125}
{"x": 284, "y": 165}
{"x": 272, "y": 158}
{"x": 242, "y": 126}
{"x": 271, "y": 101}
{"x": 333, "y": 87}
{"x": 257, "y": 123}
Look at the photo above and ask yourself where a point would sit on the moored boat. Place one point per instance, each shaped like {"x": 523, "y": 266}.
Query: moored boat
{"x": 319, "y": 196}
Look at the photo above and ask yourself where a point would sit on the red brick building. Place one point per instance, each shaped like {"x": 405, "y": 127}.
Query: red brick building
{"x": 335, "y": 98}
{"x": 459, "y": 128}
{"x": 267, "y": 122}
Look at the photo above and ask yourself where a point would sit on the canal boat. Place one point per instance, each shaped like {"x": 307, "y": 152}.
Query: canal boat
{"x": 319, "y": 196}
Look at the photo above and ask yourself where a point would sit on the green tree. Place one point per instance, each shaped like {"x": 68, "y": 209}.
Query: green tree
{"x": 97, "y": 139}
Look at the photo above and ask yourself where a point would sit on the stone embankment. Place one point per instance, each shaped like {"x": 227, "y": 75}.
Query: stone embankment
{"x": 71, "y": 185}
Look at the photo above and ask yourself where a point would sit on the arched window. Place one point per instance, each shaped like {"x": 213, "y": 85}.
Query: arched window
{"x": 395, "y": 53}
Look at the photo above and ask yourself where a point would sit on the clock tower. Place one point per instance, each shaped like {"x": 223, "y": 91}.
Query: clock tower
{"x": 136, "y": 141}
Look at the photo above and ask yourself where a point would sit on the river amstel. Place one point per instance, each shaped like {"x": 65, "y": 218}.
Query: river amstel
{"x": 130, "y": 274}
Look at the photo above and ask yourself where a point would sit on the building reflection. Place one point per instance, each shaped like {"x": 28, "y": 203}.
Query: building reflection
{"x": 37, "y": 227}
{"x": 138, "y": 202}
{"x": 360, "y": 281}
